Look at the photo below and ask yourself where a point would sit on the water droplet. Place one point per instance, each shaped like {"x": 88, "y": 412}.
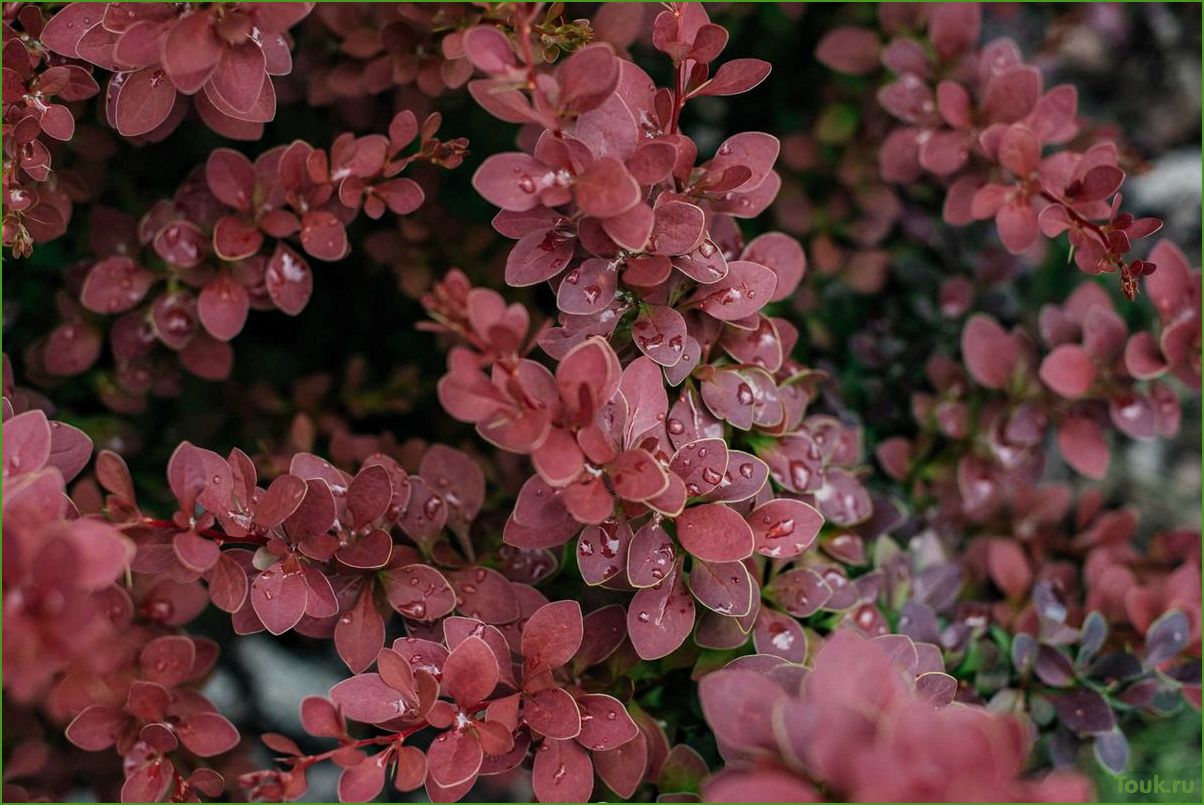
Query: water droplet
{"x": 744, "y": 394}
{"x": 642, "y": 617}
{"x": 526, "y": 184}
{"x": 782, "y": 528}
{"x": 800, "y": 475}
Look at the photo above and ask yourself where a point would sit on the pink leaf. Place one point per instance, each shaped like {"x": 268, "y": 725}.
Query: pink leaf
{"x": 989, "y": 351}
{"x": 1081, "y": 441}
{"x": 849, "y": 50}
{"x": 1068, "y": 370}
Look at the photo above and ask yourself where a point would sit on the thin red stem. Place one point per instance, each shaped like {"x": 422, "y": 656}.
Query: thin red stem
{"x": 220, "y": 537}
{"x": 306, "y": 761}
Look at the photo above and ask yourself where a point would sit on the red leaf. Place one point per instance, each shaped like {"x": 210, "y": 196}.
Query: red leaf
{"x": 240, "y": 75}
{"x": 114, "y": 285}
{"x": 363, "y": 781}
{"x": 228, "y": 585}
{"x": 784, "y": 528}
{"x": 222, "y": 307}
{"x": 402, "y": 196}
{"x": 486, "y": 594}
{"x": 660, "y": 618}
{"x": 608, "y": 726}
{"x": 589, "y": 288}
{"x": 454, "y": 758}
{"x": 512, "y": 181}
{"x": 736, "y": 76}
{"x": 538, "y": 256}
{"x": 606, "y": 189}
{"x": 280, "y": 501}
{"x": 316, "y": 514}
{"x": 650, "y": 556}
{"x": 470, "y": 674}
{"x": 207, "y": 734}
{"x": 781, "y": 254}
{"x": 725, "y": 588}
{"x": 26, "y": 442}
{"x": 602, "y": 551}
{"x": 488, "y": 49}
{"x": 320, "y": 718}
{"x": 715, "y": 533}
{"x": 191, "y": 51}
{"x": 279, "y": 597}
{"x": 364, "y": 698}
{"x": 289, "y": 280}
{"x": 552, "y": 712}
{"x": 148, "y": 782}
{"x": 587, "y": 77}
{"x": 562, "y": 772}
{"x": 636, "y": 475}
{"x": 746, "y": 289}
{"x": 419, "y": 592}
{"x": 231, "y": 177}
{"x": 96, "y": 727}
{"x": 360, "y": 632}
{"x": 779, "y": 635}
{"x": 369, "y": 495}
{"x": 144, "y": 100}
{"x": 552, "y": 636}
{"x": 625, "y": 767}
{"x": 323, "y": 235}
{"x": 1009, "y": 567}
{"x": 739, "y": 707}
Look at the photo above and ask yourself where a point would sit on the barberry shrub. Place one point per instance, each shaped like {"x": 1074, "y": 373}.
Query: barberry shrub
{"x": 563, "y": 477}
